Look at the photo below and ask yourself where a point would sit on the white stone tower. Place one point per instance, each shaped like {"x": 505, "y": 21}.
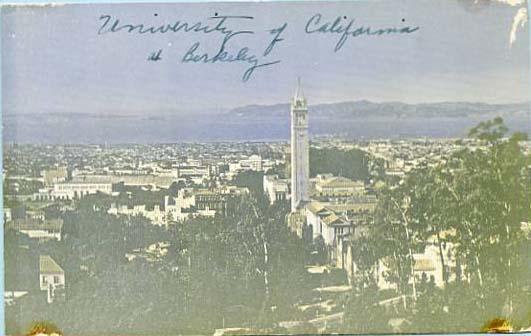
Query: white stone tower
{"x": 300, "y": 165}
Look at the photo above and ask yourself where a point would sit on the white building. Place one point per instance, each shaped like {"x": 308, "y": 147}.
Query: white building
{"x": 188, "y": 204}
{"x": 72, "y": 190}
{"x": 51, "y": 277}
{"x": 337, "y": 186}
{"x": 235, "y": 167}
{"x": 254, "y": 163}
{"x": 78, "y": 190}
{"x": 275, "y": 188}
{"x": 193, "y": 170}
{"x": 326, "y": 223}
{"x": 155, "y": 215}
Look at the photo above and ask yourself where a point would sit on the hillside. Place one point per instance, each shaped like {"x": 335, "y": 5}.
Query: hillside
{"x": 395, "y": 110}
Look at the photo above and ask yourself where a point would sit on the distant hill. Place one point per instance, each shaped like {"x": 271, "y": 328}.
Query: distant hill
{"x": 355, "y": 119}
{"x": 394, "y": 110}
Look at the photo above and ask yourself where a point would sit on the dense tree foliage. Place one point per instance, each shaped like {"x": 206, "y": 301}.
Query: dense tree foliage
{"x": 352, "y": 164}
{"x": 252, "y": 180}
{"x": 246, "y": 270}
{"x": 476, "y": 200}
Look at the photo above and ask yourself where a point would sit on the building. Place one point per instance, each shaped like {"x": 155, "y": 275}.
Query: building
{"x": 207, "y": 200}
{"x": 189, "y": 203}
{"x": 254, "y": 163}
{"x": 51, "y": 278}
{"x": 203, "y": 172}
{"x": 300, "y": 151}
{"x": 334, "y": 222}
{"x": 79, "y": 190}
{"x": 332, "y": 186}
{"x": 52, "y": 176}
{"x": 38, "y": 228}
{"x": 326, "y": 223}
{"x": 275, "y": 188}
{"x": 72, "y": 190}
{"x": 136, "y": 180}
{"x": 156, "y": 215}
{"x": 427, "y": 265}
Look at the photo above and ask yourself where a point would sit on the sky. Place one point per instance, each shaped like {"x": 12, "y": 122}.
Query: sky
{"x": 54, "y": 60}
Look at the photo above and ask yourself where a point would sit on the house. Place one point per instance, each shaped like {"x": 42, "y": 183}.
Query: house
{"x": 51, "y": 278}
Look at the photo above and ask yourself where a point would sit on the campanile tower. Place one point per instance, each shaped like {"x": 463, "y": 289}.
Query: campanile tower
{"x": 300, "y": 164}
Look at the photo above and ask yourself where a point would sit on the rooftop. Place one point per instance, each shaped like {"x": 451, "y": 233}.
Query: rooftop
{"x": 48, "y": 266}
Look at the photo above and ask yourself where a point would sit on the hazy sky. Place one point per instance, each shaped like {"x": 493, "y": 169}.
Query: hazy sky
{"x": 54, "y": 60}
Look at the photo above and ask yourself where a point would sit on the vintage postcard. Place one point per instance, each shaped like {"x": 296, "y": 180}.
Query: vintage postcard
{"x": 256, "y": 168}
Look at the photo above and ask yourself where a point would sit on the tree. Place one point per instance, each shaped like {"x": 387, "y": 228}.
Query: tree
{"x": 394, "y": 236}
{"x": 43, "y": 327}
{"x": 364, "y": 314}
{"x": 476, "y": 199}
{"x": 353, "y": 164}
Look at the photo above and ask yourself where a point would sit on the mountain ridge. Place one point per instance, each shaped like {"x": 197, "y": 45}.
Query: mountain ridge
{"x": 365, "y": 108}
